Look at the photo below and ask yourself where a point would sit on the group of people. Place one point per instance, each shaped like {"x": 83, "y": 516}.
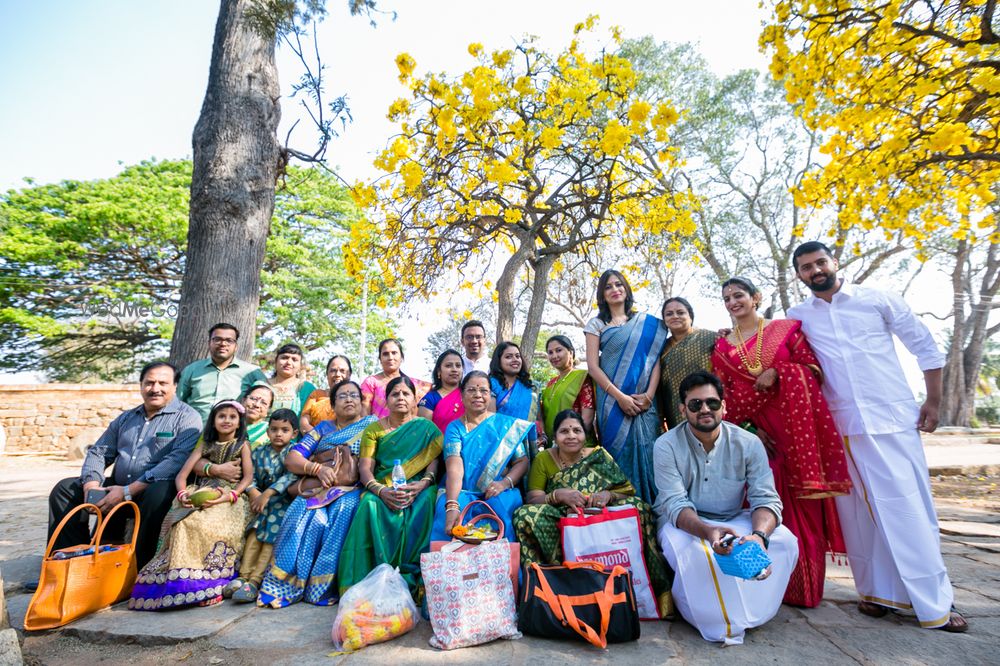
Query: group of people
{"x": 798, "y": 434}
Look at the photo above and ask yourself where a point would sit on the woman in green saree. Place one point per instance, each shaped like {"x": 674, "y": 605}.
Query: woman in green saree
{"x": 688, "y": 350}
{"x": 572, "y": 388}
{"x": 393, "y": 525}
{"x": 571, "y": 475}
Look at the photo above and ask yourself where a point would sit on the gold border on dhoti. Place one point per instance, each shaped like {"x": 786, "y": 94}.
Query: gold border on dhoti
{"x": 718, "y": 590}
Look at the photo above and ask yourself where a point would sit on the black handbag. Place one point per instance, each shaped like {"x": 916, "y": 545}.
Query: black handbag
{"x": 579, "y": 600}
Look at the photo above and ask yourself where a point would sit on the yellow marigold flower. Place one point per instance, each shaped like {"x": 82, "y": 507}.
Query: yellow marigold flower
{"x": 406, "y": 65}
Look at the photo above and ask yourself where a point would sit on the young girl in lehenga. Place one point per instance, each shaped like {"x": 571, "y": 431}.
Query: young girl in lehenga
{"x": 200, "y": 546}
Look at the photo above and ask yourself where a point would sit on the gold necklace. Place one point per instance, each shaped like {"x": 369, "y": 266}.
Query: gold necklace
{"x": 756, "y": 367}
{"x": 559, "y": 459}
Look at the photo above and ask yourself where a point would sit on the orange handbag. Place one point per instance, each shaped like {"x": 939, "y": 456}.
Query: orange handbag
{"x": 74, "y": 585}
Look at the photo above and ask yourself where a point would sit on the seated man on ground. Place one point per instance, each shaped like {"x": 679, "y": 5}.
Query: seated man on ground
{"x": 148, "y": 445}
{"x": 704, "y": 468}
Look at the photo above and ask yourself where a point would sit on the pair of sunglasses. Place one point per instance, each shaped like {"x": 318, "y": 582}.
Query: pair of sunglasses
{"x": 694, "y": 404}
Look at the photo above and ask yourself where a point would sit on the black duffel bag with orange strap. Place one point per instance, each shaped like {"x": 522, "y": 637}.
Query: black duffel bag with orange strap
{"x": 579, "y": 600}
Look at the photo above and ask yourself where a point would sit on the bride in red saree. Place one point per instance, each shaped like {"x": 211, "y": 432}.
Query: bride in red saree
{"x": 772, "y": 380}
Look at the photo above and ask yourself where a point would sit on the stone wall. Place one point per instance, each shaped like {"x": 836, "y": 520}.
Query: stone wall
{"x": 52, "y": 418}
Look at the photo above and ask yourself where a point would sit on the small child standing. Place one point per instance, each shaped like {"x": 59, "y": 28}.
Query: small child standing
{"x": 268, "y": 501}
{"x": 202, "y": 534}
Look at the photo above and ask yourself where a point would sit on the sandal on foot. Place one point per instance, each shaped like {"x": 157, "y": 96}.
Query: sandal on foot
{"x": 232, "y": 586}
{"x": 956, "y": 623}
{"x": 871, "y": 610}
{"x": 246, "y": 594}
{"x": 214, "y": 601}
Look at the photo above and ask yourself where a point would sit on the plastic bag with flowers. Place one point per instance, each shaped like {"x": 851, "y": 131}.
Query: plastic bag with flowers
{"x": 375, "y": 610}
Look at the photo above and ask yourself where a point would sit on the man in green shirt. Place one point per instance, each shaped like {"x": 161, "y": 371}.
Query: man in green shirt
{"x": 221, "y": 376}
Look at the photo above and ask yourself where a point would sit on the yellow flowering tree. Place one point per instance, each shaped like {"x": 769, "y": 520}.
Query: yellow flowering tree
{"x": 524, "y": 158}
{"x": 907, "y": 97}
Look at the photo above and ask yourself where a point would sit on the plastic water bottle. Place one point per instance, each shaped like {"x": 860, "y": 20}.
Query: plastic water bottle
{"x": 398, "y": 475}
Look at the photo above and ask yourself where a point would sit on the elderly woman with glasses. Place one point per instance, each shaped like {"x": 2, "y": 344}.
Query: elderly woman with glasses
{"x": 307, "y": 549}
{"x": 485, "y": 456}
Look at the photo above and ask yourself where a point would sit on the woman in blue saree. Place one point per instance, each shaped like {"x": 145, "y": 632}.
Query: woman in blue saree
{"x": 513, "y": 392}
{"x": 307, "y": 549}
{"x": 623, "y": 351}
{"x": 485, "y": 456}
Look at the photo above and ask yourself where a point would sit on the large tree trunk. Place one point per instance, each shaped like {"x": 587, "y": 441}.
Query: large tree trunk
{"x": 539, "y": 291}
{"x": 965, "y": 354}
{"x": 955, "y": 409}
{"x": 236, "y": 154}
{"x": 505, "y": 290}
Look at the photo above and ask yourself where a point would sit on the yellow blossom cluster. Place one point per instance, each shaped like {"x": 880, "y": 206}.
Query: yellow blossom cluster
{"x": 525, "y": 149}
{"x": 907, "y": 98}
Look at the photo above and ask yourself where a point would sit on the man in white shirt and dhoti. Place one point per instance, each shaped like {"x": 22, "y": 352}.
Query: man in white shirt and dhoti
{"x": 704, "y": 469}
{"x": 889, "y": 522}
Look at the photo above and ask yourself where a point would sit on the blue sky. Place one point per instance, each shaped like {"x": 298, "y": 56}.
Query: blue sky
{"x": 88, "y": 84}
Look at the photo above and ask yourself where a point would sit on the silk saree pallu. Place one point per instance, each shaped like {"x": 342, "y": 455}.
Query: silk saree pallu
{"x": 628, "y": 355}
{"x": 560, "y": 394}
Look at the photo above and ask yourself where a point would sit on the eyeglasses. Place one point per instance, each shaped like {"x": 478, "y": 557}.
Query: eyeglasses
{"x": 353, "y": 395}
{"x": 477, "y": 391}
{"x": 222, "y": 341}
{"x": 472, "y": 338}
{"x": 257, "y": 400}
{"x": 694, "y": 404}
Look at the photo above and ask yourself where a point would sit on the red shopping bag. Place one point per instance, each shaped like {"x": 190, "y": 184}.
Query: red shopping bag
{"x": 612, "y": 537}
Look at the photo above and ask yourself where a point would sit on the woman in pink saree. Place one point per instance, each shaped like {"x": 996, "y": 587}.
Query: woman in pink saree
{"x": 443, "y": 403}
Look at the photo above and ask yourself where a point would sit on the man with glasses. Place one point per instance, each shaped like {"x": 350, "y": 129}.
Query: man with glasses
{"x": 474, "y": 344}
{"x": 221, "y": 376}
{"x": 704, "y": 469}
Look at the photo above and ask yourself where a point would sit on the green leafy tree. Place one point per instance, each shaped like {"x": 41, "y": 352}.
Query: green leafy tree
{"x": 90, "y": 272}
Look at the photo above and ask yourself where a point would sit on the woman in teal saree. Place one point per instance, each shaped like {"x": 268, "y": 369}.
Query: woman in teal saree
{"x": 623, "y": 352}
{"x": 393, "y": 525}
{"x": 486, "y": 455}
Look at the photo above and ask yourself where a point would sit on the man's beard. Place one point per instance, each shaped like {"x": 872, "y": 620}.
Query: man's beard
{"x": 705, "y": 427}
{"x": 828, "y": 283}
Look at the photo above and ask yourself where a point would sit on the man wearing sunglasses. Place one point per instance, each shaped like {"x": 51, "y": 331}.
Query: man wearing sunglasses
{"x": 704, "y": 470}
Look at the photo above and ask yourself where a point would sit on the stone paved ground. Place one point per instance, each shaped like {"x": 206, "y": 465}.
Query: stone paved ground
{"x": 834, "y": 633}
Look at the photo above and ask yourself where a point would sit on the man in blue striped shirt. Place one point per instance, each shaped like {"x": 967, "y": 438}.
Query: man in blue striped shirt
{"x": 147, "y": 445}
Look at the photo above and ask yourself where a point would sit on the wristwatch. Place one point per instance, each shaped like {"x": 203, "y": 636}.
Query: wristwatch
{"x": 763, "y": 537}
{"x": 128, "y": 493}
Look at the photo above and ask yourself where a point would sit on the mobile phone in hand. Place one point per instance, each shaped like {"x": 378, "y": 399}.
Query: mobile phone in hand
{"x": 96, "y": 495}
{"x": 728, "y": 540}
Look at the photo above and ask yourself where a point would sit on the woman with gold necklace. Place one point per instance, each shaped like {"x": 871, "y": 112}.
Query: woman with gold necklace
{"x": 485, "y": 457}
{"x": 574, "y": 475}
{"x": 772, "y": 381}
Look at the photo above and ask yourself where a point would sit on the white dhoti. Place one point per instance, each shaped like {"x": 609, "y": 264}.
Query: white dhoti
{"x": 891, "y": 529}
{"x": 718, "y": 605}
